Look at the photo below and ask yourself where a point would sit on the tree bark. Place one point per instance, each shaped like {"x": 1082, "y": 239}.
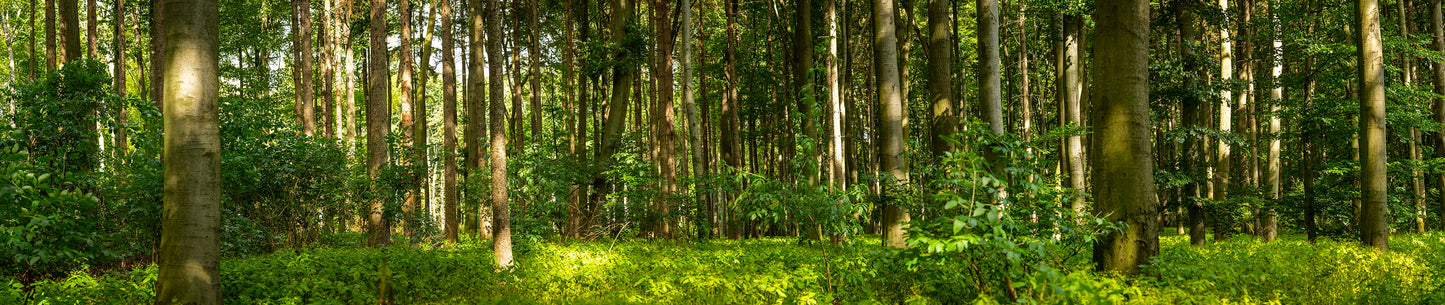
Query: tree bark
{"x": 836, "y": 161}
{"x": 449, "y": 123}
{"x": 1270, "y": 219}
{"x": 1437, "y": 23}
{"x": 378, "y": 120}
{"x": 90, "y": 28}
{"x": 535, "y": 70}
{"x": 1194, "y": 117}
{"x": 301, "y": 49}
{"x": 803, "y": 76}
{"x": 1374, "y": 224}
{"x": 118, "y": 55}
{"x": 50, "y": 43}
{"x": 70, "y": 29}
{"x": 617, "y": 104}
{"x": 1226, "y": 118}
{"x": 501, "y": 216}
{"x": 1417, "y": 179}
{"x": 731, "y": 144}
{"x": 190, "y": 246}
{"x": 940, "y": 77}
{"x": 1069, "y": 86}
{"x": 890, "y": 135}
{"x": 989, "y": 87}
{"x": 1124, "y": 167}
{"x": 407, "y": 107}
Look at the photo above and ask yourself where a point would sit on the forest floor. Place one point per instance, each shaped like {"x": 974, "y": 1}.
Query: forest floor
{"x": 766, "y": 271}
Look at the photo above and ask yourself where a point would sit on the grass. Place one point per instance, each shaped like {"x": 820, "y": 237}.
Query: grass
{"x": 782, "y": 271}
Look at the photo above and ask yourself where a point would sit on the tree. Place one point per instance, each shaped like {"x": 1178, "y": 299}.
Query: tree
{"x": 50, "y": 50}
{"x": 989, "y": 87}
{"x": 1437, "y": 24}
{"x": 501, "y": 215}
{"x": 1374, "y": 213}
{"x": 70, "y": 30}
{"x": 1069, "y": 85}
{"x": 404, "y": 90}
{"x": 378, "y": 121}
{"x": 617, "y": 104}
{"x": 190, "y": 245}
{"x": 664, "y": 116}
{"x": 301, "y": 51}
{"x": 890, "y": 135}
{"x": 940, "y": 76}
{"x": 1123, "y": 171}
{"x": 1195, "y": 116}
{"x": 837, "y": 110}
{"x": 90, "y": 28}
{"x": 158, "y": 46}
{"x": 1222, "y": 152}
{"x": 449, "y": 122}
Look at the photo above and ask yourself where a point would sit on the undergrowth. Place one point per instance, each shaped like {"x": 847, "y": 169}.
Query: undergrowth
{"x": 779, "y": 271}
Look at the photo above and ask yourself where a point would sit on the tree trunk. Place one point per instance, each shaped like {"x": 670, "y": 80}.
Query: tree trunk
{"x": 325, "y": 34}
{"x": 347, "y": 78}
{"x": 476, "y": 88}
{"x": 617, "y": 104}
{"x": 940, "y": 77}
{"x": 1437, "y": 23}
{"x": 1417, "y": 179}
{"x": 890, "y": 135}
{"x": 1069, "y": 87}
{"x": 50, "y": 43}
{"x": 90, "y": 28}
{"x": 664, "y": 115}
{"x": 190, "y": 246}
{"x": 731, "y": 143}
{"x": 449, "y": 123}
{"x": 988, "y": 68}
{"x": 1374, "y": 224}
{"x": 301, "y": 51}
{"x": 803, "y": 77}
{"x": 158, "y": 47}
{"x": 420, "y": 136}
{"x": 1124, "y": 167}
{"x": 407, "y": 107}
{"x": 378, "y": 120}
{"x": 70, "y": 29}
{"x": 118, "y": 56}
{"x": 535, "y": 74}
{"x": 1194, "y": 117}
{"x": 1270, "y": 220}
{"x": 1222, "y": 154}
{"x": 501, "y": 217}
{"x": 694, "y": 129}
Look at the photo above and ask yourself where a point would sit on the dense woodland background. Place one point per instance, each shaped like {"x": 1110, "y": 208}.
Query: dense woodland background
{"x": 941, "y": 150}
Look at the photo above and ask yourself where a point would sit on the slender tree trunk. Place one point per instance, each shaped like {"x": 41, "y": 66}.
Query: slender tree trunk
{"x": 70, "y": 29}
{"x": 1194, "y": 118}
{"x": 1437, "y": 23}
{"x": 1417, "y": 179}
{"x": 301, "y": 56}
{"x": 421, "y": 137}
{"x": 190, "y": 246}
{"x": 940, "y": 77}
{"x": 50, "y": 43}
{"x": 694, "y": 129}
{"x": 378, "y": 120}
{"x": 988, "y": 67}
{"x": 347, "y": 78}
{"x": 31, "y": 56}
{"x": 617, "y": 104}
{"x": 449, "y": 122}
{"x": 118, "y": 56}
{"x": 1025, "y": 98}
{"x": 158, "y": 47}
{"x": 407, "y": 107}
{"x": 324, "y": 35}
{"x": 731, "y": 144}
{"x": 1374, "y": 219}
{"x": 803, "y": 75}
{"x": 501, "y": 216}
{"x": 90, "y": 28}
{"x": 890, "y": 98}
{"x": 1222, "y": 154}
{"x": 1069, "y": 86}
{"x": 578, "y": 209}
{"x": 664, "y": 115}
{"x": 836, "y": 161}
{"x": 1270, "y": 219}
{"x": 476, "y": 87}
{"x": 1124, "y": 167}
{"x": 534, "y": 58}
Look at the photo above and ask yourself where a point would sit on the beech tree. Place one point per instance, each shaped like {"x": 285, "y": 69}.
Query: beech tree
{"x": 189, "y": 252}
